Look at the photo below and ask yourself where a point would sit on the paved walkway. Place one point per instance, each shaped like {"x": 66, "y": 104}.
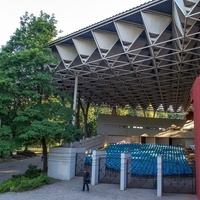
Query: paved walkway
{"x": 9, "y": 168}
{"x": 72, "y": 190}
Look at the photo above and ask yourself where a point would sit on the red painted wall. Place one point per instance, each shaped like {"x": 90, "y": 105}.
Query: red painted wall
{"x": 195, "y": 100}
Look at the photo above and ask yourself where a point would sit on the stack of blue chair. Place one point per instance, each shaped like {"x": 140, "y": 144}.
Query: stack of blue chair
{"x": 144, "y": 158}
{"x": 88, "y": 159}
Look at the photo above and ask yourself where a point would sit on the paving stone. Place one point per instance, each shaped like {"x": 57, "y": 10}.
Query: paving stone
{"x": 72, "y": 190}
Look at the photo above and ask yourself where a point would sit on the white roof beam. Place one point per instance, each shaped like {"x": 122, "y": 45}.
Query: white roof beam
{"x": 155, "y": 24}
{"x": 181, "y": 5}
{"x": 128, "y": 33}
{"x": 176, "y": 19}
{"x": 67, "y": 54}
{"x": 85, "y": 48}
{"x": 105, "y": 41}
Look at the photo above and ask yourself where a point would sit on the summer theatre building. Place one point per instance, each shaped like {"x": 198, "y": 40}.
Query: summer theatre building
{"x": 128, "y": 129}
{"x": 146, "y": 55}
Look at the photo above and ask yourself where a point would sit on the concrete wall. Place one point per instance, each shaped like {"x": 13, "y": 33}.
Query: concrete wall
{"x": 61, "y": 162}
{"x": 150, "y": 140}
{"x": 162, "y": 140}
{"x": 189, "y": 142}
{"x": 184, "y": 142}
{"x": 178, "y": 142}
{"x": 129, "y": 126}
{"x": 92, "y": 143}
{"x": 142, "y": 130}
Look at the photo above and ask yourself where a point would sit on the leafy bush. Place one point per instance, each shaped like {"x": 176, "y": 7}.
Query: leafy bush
{"x": 29, "y": 184}
{"x": 6, "y": 185}
{"x": 32, "y": 178}
{"x": 32, "y": 171}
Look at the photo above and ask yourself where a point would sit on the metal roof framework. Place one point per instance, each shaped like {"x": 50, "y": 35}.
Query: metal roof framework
{"x": 146, "y": 55}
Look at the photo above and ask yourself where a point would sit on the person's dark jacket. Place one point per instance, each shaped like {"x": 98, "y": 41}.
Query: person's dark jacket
{"x": 86, "y": 177}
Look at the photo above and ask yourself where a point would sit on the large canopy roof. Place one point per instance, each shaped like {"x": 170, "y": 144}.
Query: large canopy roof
{"x": 146, "y": 55}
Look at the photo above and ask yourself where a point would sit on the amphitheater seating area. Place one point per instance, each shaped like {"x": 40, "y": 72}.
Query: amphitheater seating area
{"x": 144, "y": 159}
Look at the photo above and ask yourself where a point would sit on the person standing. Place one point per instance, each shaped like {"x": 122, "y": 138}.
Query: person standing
{"x": 86, "y": 180}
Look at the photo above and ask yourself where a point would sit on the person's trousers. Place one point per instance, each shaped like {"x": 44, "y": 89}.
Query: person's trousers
{"x": 85, "y": 183}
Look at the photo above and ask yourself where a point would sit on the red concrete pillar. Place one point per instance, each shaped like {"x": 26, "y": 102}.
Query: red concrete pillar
{"x": 195, "y": 100}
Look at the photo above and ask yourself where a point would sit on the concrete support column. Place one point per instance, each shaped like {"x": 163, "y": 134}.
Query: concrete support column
{"x": 62, "y": 162}
{"x": 123, "y": 171}
{"x": 75, "y": 97}
{"x": 159, "y": 176}
{"x": 95, "y": 165}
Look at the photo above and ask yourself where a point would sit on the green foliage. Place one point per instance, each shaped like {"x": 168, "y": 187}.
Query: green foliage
{"x": 140, "y": 111}
{"x": 92, "y": 126}
{"x": 32, "y": 178}
{"x": 104, "y": 110}
{"x": 5, "y": 132}
{"x": 29, "y": 184}
{"x": 161, "y": 114}
{"x": 132, "y": 112}
{"x": 32, "y": 171}
{"x": 46, "y": 120}
{"x": 149, "y": 112}
{"x": 176, "y": 115}
{"x": 72, "y": 134}
{"x": 6, "y": 185}
{"x": 7, "y": 144}
{"x": 23, "y": 183}
{"x": 29, "y": 104}
{"x": 24, "y": 76}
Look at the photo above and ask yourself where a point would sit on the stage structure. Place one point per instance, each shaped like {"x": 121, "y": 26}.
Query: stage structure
{"x": 146, "y": 55}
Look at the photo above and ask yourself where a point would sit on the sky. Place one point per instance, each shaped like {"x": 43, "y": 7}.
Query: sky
{"x": 71, "y": 15}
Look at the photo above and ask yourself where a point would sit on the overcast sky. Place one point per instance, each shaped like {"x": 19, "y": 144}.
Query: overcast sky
{"x": 72, "y": 15}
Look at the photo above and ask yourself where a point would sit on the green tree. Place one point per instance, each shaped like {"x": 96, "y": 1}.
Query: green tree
{"x": 150, "y": 111}
{"x": 7, "y": 144}
{"x": 35, "y": 109}
{"x": 46, "y": 123}
{"x": 171, "y": 115}
{"x": 139, "y": 111}
{"x": 132, "y": 112}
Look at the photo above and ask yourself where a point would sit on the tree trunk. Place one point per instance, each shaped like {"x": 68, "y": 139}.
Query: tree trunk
{"x": 44, "y": 154}
{"x": 85, "y": 116}
{"x": 85, "y": 129}
{"x": 114, "y": 110}
{"x": 78, "y": 114}
{"x": 154, "y": 113}
{"x": 144, "y": 112}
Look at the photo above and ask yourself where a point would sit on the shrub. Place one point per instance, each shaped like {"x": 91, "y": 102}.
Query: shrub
{"x": 6, "y": 185}
{"x": 32, "y": 178}
{"x": 32, "y": 171}
{"x": 29, "y": 184}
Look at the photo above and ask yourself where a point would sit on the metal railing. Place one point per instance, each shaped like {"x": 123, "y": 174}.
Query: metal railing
{"x": 107, "y": 172}
{"x": 180, "y": 182}
{"x": 141, "y": 174}
{"x": 81, "y": 164}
